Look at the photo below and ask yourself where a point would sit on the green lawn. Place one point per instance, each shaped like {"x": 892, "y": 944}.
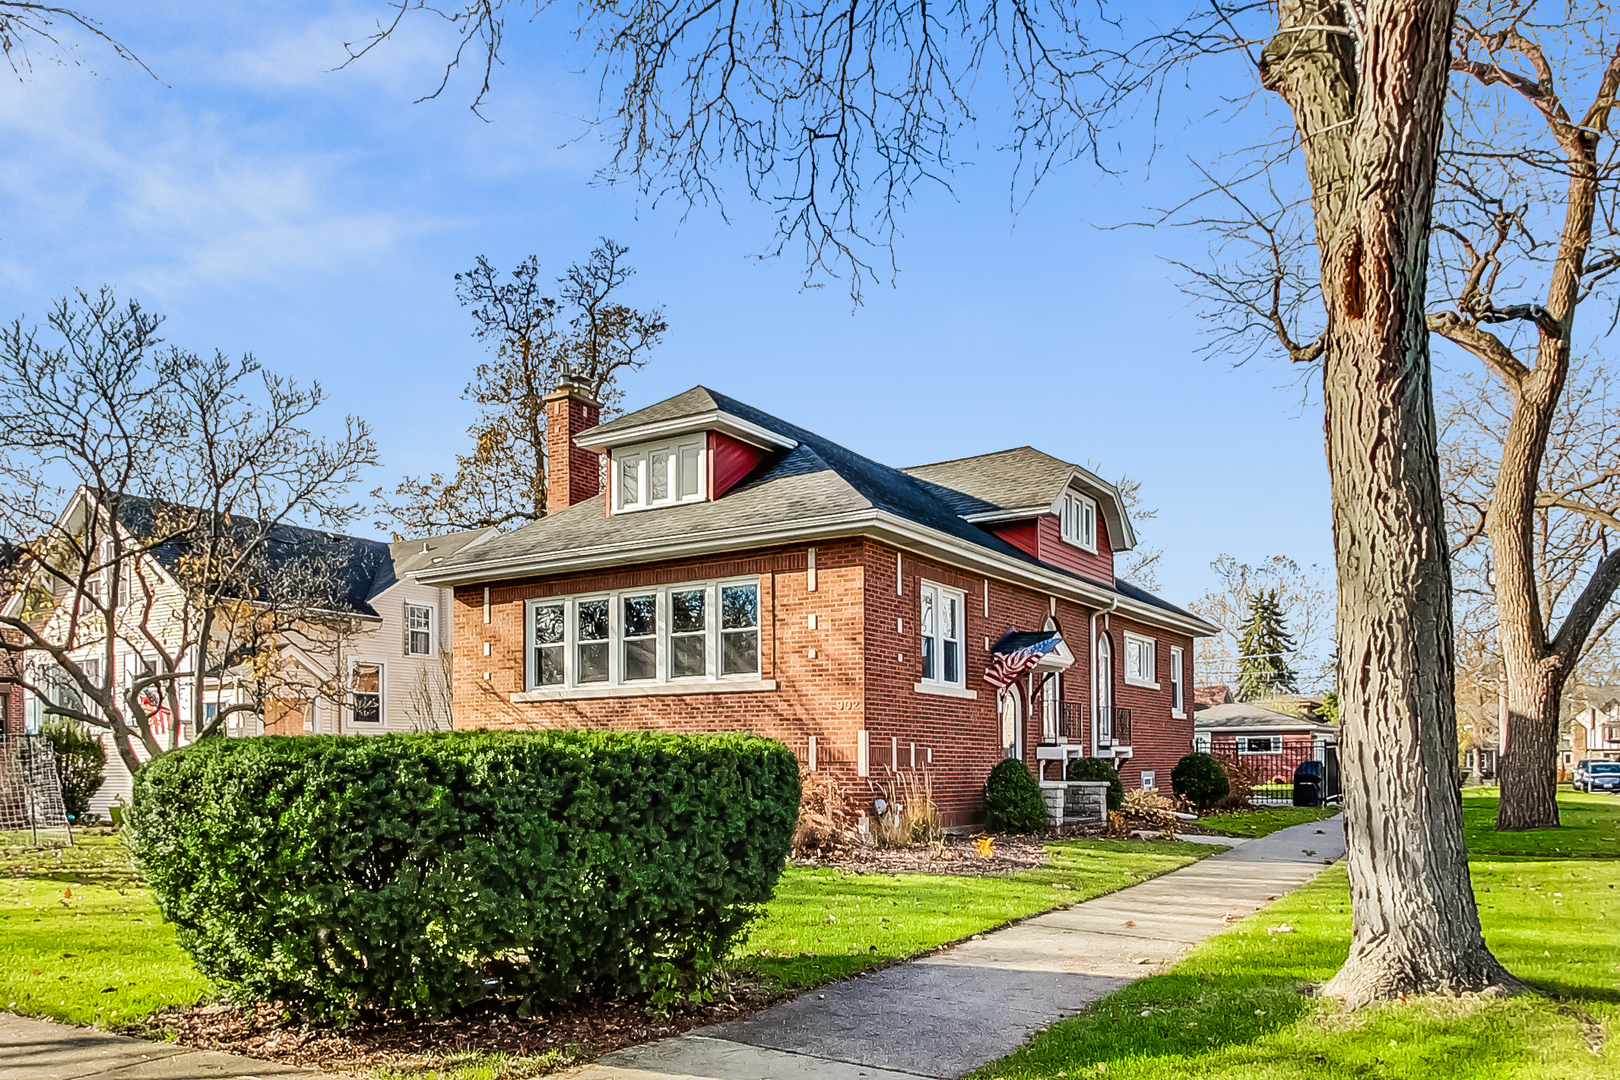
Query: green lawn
{"x": 1265, "y": 821}
{"x": 1232, "y": 1008}
{"x": 81, "y": 939}
{"x": 828, "y": 924}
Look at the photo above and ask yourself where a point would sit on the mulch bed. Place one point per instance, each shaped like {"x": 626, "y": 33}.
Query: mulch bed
{"x": 954, "y": 855}
{"x": 581, "y": 1030}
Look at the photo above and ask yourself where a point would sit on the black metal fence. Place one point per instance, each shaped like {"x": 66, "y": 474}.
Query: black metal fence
{"x": 1311, "y": 769}
{"x": 1070, "y": 721}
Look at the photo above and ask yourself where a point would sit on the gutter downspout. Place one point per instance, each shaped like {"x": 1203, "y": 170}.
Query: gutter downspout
{"x": 1091, "y": 665}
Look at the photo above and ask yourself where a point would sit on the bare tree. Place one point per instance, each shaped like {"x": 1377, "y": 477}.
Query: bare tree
{"x": 503, "y": 481}
{"x": 22, "y": 24}
{"x": 817, "y": 106}
{"x": 1304, "y": 595}
{"x": 152, "y": 493}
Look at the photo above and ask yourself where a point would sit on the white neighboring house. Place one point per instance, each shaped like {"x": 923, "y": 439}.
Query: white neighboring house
{"x": 1596, "y": 734}
{"x": 395, "y": 661}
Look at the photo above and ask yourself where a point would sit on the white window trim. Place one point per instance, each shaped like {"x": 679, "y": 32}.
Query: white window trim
{"x": 662, "y": 682}
{"x": 1177, "y": 683}
{"x": 1275, "y": 740}
{"x": 382, "y": 695}
{"x": 939, "y": 682}
{"x": 1153, "y": 646}
{"x": 1069, "y": 522}
{"x": 432, "y": 627}
{"x": 643, "y": 453}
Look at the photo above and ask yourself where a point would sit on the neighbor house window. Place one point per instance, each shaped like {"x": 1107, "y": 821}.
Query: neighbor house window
{"x": 676, "y": 633}
{"x": 660, "y": 475}
{"x": 1079, "y": 517}
{"x": 1140, "y": 661}
{"x": 365, "y": 692}
{"x": 1261, "y": 744}
{"x": 1177, "y": 702}
{"x": 418, "y": 630}
{"x": 941, "y": 628}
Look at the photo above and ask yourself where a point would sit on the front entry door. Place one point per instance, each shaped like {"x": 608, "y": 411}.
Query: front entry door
{"x": 1105, "y": 694}
{"x": 1009, "y": 722}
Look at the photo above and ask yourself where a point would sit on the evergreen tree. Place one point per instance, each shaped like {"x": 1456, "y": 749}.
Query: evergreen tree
{"x": 1263, "y": 669}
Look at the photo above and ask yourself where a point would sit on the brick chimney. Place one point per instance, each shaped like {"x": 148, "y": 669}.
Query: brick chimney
{"x": 572, "y": 474}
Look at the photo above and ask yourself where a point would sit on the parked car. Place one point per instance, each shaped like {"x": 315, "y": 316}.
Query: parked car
{"x": 1597, "y": 776}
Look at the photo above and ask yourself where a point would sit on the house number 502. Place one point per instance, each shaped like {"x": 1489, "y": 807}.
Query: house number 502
{"x": 844, "y": 705}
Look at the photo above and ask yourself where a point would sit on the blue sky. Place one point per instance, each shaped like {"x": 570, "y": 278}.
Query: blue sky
{"x": 316, "y": 218}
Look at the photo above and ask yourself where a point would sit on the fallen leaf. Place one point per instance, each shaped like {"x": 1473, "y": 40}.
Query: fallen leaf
{"x": 1130, "y": 922}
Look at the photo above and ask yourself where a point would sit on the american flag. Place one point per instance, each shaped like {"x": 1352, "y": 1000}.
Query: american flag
{"x": 1006, "y": 667}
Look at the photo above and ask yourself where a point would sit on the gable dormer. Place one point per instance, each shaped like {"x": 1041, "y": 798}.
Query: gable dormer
{"x": 685, "y": 450}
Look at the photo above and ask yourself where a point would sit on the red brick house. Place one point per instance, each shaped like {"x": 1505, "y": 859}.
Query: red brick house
{"x": 741, "y": 573}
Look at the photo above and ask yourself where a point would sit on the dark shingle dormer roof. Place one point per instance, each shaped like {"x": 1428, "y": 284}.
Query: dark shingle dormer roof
{"x": 1017, "y": 479}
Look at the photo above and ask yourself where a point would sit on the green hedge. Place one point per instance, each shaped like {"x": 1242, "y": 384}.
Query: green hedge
{"x": 1012, "y": 799}
{"x": 428, "y": 871}
{"x": 1091, "y": 768}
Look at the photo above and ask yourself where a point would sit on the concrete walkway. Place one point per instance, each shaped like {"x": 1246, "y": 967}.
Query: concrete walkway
{"x": 41, "y": 1050}
{"x": 950, "y": 1012}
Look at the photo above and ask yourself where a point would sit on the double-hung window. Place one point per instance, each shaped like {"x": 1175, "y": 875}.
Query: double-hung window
{"x": 941, "y": 628}
{"x": 690, "y": 632}
{"x": 418, "y": 630}
{"x": 1178, "y": 704}
{"x": 1141, "y": 663}
{"x": 365, "y": 692}
{"x": 658, "y": 475}
{"x": 1079, "y": 518}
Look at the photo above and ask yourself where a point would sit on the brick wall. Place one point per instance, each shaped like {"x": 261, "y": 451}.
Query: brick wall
{"x": 858, "y": 668}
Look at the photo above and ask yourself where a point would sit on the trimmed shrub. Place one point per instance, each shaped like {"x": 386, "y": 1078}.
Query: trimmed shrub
{"x": 81, "y": 762}
{"x": 1095, "y": 768}
{"x": 428, "y": 871}
{"x": 1201, "y": 780}
{"x": 1012, "y": 799}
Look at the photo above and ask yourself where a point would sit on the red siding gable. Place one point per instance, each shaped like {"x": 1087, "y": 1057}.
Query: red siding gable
{"x": 1052, "y": 549}
{"x": 1021, "y": 535}
{"x": 729, "y": 462}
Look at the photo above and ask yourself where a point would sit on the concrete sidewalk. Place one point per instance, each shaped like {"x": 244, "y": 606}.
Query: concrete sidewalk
{"x": 950, "y": 1012}
{"x": 41, "y": 1050}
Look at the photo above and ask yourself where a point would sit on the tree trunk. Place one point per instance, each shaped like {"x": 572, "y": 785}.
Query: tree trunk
{"x": 1369, "y": 120}
{"x": 1529, "y": 769}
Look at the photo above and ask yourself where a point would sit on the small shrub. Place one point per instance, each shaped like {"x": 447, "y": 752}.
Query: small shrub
{"x": 427, "y": 871}
{"x": 81, "y": 762}
{"x": 826, "y": 823}
{"x": 1151, "y": 807}
{"x": 1240, "y": 781}
{"x": 910, "y": 816}
{"x": 1091, "y": 768}
{"x": 1200, "y": 779}
{"x": 1012, "y": 799}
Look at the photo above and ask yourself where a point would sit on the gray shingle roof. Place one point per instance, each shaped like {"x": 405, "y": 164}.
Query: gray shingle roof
{"x": 1244, "y": 715}
{"x": 816, "y": 479}
{"x": 1004, "y": 480}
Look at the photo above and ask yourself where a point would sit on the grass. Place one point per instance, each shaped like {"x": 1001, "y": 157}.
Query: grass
{"x": 828, "y": 924}
{"x": 81, "y": 939}
{"x": 1233, "y": 1008}
{"x": 1265, "y": 821}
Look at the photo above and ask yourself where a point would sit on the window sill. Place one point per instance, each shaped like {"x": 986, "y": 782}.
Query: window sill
{"x": 941, "y": 690}
{"x": 583, "y": 693}
{"x": 1144, "y": 685}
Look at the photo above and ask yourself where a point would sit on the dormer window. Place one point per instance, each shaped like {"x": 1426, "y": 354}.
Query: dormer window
{"x": 659, "y": 474}
{"x": 1079, "y": 515}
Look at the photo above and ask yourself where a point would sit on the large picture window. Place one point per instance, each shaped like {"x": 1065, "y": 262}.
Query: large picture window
{"x": 674, "y": 634}
{"x": 941, "y": 627}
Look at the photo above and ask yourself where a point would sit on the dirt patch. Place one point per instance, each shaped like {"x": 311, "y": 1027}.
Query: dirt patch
{"x": 955, "y": 855}
{"x": 567, "y": 1034}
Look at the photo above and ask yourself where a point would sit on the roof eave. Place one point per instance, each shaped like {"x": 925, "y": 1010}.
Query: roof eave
{"x": 712, "y": 420}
